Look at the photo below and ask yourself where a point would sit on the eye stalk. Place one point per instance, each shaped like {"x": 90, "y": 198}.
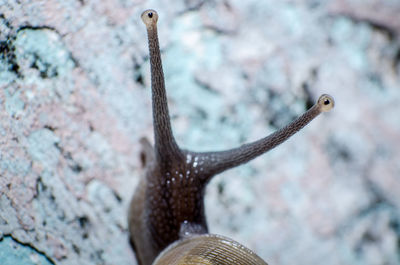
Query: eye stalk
{"x": 325, "y": 103}
{"x": 149, "y": 18}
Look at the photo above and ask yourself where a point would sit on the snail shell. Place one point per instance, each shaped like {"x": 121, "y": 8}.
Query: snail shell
{"x": 207, "y": 249}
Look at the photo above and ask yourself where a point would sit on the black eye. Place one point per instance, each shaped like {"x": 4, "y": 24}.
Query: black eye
{"x": 326, "y": 102}
{"x": 150, "y": 15}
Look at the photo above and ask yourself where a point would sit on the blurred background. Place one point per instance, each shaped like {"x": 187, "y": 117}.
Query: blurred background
{"x": 75, "y": 100}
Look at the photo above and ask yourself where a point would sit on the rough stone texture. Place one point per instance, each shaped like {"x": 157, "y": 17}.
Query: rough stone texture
{"x": 75, "y": 99}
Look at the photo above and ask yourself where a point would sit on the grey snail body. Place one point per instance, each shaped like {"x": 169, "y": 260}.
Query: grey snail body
{"x": 167, "y": 222}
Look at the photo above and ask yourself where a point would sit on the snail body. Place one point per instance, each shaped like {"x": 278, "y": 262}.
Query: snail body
{"x": 167, "y": 221}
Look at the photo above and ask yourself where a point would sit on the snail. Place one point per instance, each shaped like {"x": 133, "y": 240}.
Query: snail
{"x": 167, "y": 223}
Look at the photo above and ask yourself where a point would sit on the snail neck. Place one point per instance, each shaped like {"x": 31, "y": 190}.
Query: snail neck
{"x": 175, "y": 207}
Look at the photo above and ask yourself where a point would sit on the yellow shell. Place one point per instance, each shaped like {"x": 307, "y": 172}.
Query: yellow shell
{"x": 207, "y": 250}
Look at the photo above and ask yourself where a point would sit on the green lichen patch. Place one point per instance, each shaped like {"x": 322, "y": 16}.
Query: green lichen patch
{"x": 43, "y": 50}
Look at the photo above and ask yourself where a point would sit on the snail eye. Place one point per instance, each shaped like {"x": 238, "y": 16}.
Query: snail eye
{"x": 326, "y": 103}
{"x": 150, "y": 17}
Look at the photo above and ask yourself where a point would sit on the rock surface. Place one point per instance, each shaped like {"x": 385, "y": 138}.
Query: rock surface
{"x": 75, "y": 100}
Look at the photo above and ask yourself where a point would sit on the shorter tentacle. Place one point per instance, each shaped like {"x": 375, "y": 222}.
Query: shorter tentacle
{"x": 216, "y": 162}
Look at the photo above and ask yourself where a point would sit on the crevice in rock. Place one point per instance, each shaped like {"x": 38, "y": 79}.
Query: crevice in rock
{"x": 377, "y": 26}
{"x": 72, "y": 164}
{"x": 40, "y": 186}
{"x": 30, "y": 27}
{"x": 7, "y": 48}
{"x": 32, "y": 247}
{"x": 137, "y": 73}
{"x": 203, "y": 84}
{"x": 306, "y": 87}
{"x": 192, "y": 5}
{"x": 117, "y": 196}
{"x": 76, "y": 249}
{"x": 279, "y": 112}
{"x": 44, "y": 68}
{"x": 396, "y": 61}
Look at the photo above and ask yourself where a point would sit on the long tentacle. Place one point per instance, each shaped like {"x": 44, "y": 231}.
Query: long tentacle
{"x": 165, "y": 144}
